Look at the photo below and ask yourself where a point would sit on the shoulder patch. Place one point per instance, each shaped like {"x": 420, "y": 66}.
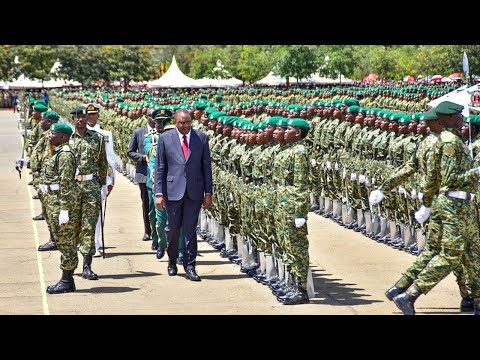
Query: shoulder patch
{"x": 447, "y": 136}
{"x": 449, "y": 150}
{"x": 66, "y": 148}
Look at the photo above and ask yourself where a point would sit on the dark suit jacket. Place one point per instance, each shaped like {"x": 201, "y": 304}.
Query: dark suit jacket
{"x": 136, "y": 152}
{"x": 174, "y": 175}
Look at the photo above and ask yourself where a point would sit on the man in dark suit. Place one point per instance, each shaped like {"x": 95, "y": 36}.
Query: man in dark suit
{"x": 183, "y": 183}
{"x": 136, "y": 152}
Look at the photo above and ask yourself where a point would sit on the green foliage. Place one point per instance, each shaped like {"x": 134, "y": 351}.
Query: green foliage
{"x": 298, "y": 61}
{"x": 7, "y": 65}
{"x": 36, "y": 61}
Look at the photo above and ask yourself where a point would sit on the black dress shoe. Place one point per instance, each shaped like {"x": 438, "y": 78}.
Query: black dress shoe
{"x": 160, "y": 253}
{"x": 192, "y": 275}
{"x": 146, "y": 237}
{"x": 30, "y": 183}
{"x": 51, "y": 245}
{"x": 172, "y": 268}
{"x": 467, "y": 304}
{"x": 39, "y": 217}
{"x": 154, "y": 245}
{"x": 35, "y": 197}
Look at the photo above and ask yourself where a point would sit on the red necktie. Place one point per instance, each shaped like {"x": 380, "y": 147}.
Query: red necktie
{"x": 185, "y": 147}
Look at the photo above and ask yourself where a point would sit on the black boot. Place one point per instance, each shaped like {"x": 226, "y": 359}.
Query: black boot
{"x": 39, "y": 217}
{"x": 467, "y": 304}
{"x": 50, "y": 245}
{"x": 399, "y": 287}
{"x": 315, "y": 205}
{"x": 406, "y": 300}
{"x": 477, "y": 306}
{"x": 299, "y": 296}
{"x": 66, "y": 284}
{"x": 87, "y": 270}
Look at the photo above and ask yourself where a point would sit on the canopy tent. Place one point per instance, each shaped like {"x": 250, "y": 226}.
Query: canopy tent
{"x": 207, "y": 82}
{"x": 317, "y": 79}
{"x": 461, "y": 96}
{"x": 174, "y": 78}
{"x": 25, "y": 83}
{"x": 272, "y": 79}
{"x": 4, "y": 85}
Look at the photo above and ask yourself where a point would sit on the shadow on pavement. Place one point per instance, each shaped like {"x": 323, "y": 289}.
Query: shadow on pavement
{"x": 113, "y": 254}
{"x": 126, "y": 276}
{"x": 210, "y": 262}
{"x": 107, "y": 290}
{"x": 334, "y": 292}
{"x": 221, "y": 277}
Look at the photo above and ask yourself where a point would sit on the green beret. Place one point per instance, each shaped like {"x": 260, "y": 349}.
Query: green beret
{"x": 300, "y": 123}
{"x": 203, "y": 96}
{"x": 274, "y": 120}
{"x": 429, "y": 115}
{"x": 119, "y": 99}
{"x": 200, "y": 106}
{"x": 40, "y": 107}
{"x": 405, "y": 119}
{"x": 79, "y": 111}
{"x": 31, "y": 100}
{"x": 168, "y": 123}
{"x": 395, "y": 117}
{"x": 51, "y": 115}
{"x": 283, "y": 122}
{"x": 262, "y": 125}
{"x": 448, "y": 108}
{"x": 218, "y": 98}
{"x": 229, "y": 120}
{"x": 351, "y": 102}
{"x": 353, "y": 109}
{"x": 60, "y": 127}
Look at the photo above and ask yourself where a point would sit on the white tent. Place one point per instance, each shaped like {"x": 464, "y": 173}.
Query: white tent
{"x": 317, "y": 79}
{"x": 25, "y": 83}
{"x": 174, "y": 78}
{"x": 272, "y": 79}
{"x": 461, "y": 96}
{"x": 4, "y": 85}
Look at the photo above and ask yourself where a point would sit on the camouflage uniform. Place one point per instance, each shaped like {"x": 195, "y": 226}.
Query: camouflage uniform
{"x": 91, "y": 159}
{"x": 60, "y": 169}
{"x": 448, "y": 169}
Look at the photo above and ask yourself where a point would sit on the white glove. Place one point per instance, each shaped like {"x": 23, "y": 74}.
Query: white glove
{"x": 231, "y": 197}
{"x": 344, "y": 173}
{"x": 367, "y": 181}
{"x": 43, "y": 187}
{"x": 336, "y": 166}
{"x": 323, "y": 165}
{"x": 414, "y": 194}
{"x": 353, "y": 176}
{"x": 420, "y": 196}
{"x": 329, "y": 165}
{"x": 22, "y": 162}
{"x": 299, "y": 222}
{"x": 422, "y": 214}
{"x": 361, "y": 178}
{"x": 375, "y": 197}
{"x": 313, "y": 162}
{"x": 401, "y": 190}
{"x": 63, "y": 217}
{"x": 373, "y": 180}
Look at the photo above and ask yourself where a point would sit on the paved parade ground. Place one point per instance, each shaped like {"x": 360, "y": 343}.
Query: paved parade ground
{"x": 351, "y": 272}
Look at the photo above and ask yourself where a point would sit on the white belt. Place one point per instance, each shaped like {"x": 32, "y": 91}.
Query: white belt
{"x": 51, "y": 187}
{"x": 87, "y": 177}
{"x": 461, "y": 195}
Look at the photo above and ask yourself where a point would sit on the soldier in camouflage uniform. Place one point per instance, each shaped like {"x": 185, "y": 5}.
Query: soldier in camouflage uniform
{"x": 59, "y": 188}
{"x": 450, "y": 178}
{"x": 38, "y": 157}
{"x": 91, "y": 175}
{"x": 293, "y": 206}
{"x": 418, "y": 164}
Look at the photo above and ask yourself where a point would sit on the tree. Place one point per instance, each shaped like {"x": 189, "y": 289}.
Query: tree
{"x": 298, "y": 61}
{"x": 129, "y": 62}
{"x": 7, "y": 63}
{"x": 36, "y": 61}
{"x": 83, "y": 63}
{"x": 255, "y": 61}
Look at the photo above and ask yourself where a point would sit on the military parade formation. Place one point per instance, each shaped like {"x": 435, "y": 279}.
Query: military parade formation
{"x": 375, "y": 160}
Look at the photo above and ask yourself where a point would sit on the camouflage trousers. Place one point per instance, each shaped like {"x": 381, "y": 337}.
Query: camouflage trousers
{"x": 44, "y": 209}
{"x": 87, "y": 206}
{"x": 64, "y": 234}
{"x": 432, "y": 248}
{"x": 293, "y": 241}
{"x": 460, "y": 245}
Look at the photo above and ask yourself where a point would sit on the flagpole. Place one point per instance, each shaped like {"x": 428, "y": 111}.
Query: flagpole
{"x": 466, "y": 71}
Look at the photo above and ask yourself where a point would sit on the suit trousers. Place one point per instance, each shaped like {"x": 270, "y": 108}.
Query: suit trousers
{"x": 145, "y": 208}
{"x": 183, "y": 213}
